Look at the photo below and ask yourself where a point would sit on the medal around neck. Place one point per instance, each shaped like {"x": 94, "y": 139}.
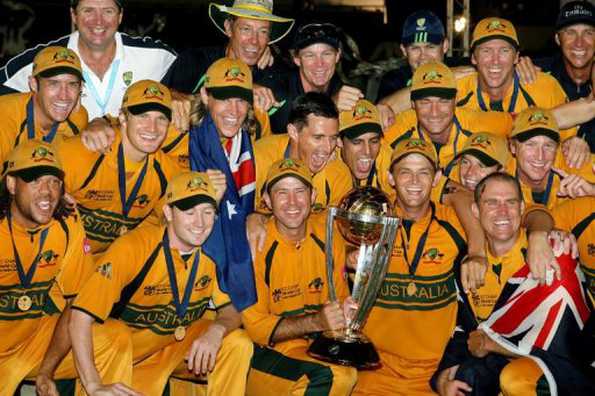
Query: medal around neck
{"x": 364, "y": 218}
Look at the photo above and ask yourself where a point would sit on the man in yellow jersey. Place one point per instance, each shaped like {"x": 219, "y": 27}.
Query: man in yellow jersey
{"x": 436, "y": 119}
{"x": 362, "y": 151}
{"x": 415, "y": 311}
{"x": 292, "y": 287}
{"x": 52, "y": 109}
{"x": 160, "y": 290}
{"x": 474, "y": 363}
{"x": 44, "y": 260}
{"x": 116, "y": 191}
{"x": 543, "y": 176}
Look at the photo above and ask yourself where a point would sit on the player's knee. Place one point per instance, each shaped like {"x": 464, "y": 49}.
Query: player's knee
{"x": 238, "y": 342}
{"x": 520, "y": 377}
{"x": 344, "y": 379}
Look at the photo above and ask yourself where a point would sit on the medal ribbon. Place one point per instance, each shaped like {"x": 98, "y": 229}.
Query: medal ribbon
{"x": 31, "y": 125}
{"x": 26, "y": 278}
{"x": 420, "y": 246}
{"x": 102, "y": 102}
{"x": 181, "y": 306}
{"x": 548, "y": 186}
{"x": 515, "y": 94}
{"x": 127, "y": 203}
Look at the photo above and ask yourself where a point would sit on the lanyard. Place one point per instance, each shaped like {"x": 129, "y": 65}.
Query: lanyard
{"x": 102, "y": 102}
{"x": 515, "y": 94}
{"x": 31, "y": 125}
{"x": 548, "y": 186}
{"x": 26, "y": 278}
{"x": 181, "y": 306}
{"x": 127, "y": 203}
{"x": 458, "y": 132}
{"x": 420, "y": 246}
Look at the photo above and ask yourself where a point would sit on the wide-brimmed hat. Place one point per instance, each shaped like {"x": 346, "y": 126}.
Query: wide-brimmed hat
{"x": 252, "y": 9}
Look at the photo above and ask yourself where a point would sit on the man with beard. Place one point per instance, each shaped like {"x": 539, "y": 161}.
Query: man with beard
{"x": 45, "y": 259}
{"x": 51, "y": 110}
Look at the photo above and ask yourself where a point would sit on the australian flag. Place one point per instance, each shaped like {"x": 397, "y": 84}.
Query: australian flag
{"x": 228, "y": 244}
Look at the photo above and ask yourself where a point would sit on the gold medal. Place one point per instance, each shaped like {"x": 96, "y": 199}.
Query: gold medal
{"x": 24, "y": 303}
{"x": 180, "y": 333}
{"x": 411, "y": 289}
{"x": 123, "y": 230}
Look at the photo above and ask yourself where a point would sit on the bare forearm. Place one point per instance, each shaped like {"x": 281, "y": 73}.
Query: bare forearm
{"x": 228, "y": 319}
{"x": 81, "y": 337}
{"x": 461, "y": 201}
{"x": 574, "y": 113}
{"x": 398, "y": 101}
{"x": 296, "y": 327}
{"x": 59, "y": 346}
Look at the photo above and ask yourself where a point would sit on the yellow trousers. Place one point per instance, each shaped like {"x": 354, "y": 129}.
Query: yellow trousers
{"x": 288, "y": 370}
{"x": 396, "y": 376}
{"x": 151, "y": 371}
{"x": 112, "y": 347}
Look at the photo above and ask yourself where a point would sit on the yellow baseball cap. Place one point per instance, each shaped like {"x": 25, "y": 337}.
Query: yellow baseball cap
{"x": 363, "y": 118}
{"x": 147, "y": 95}
{"x": 188, "y": 189}
{"x": 284, "y": 168}
{"x": 433, "y": 79}
{"x": 535, "y": 121}
{"x": 494, "y": 28}
{"x": 55, "y": 60}
{"x": 490, "y": 149}
{"x": 229, "y": 78}
{"x": 414, "y": 146}
{"x": 32, "y": 159}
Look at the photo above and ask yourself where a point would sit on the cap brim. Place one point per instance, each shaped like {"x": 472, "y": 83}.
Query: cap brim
{"x": 279, "y": 28}
{"x": 566, "y": 23}
{"x": 192, "y": 201}
{"x": 151, "y": 106}
{"x": 485, "y": 159}
{"x": 55, "y": 71}
{"x": 223, "y": 93}
{"x": 30, "y": 174}
{"x": 445, "y": 93}
{"x": 526, "y": 135}
{"x": 358, "y": 130}
{"x": 482, "y": 40}
{"x": 300, "y": 45}
{"x": 270, "y": 183}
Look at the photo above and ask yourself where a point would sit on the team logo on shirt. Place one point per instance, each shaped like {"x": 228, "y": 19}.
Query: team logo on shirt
{"x": 42, "y": 154}
{"x": 63, "y": 55}
{"x": 153, "y": 92}
{"x": 361, "y": 112}
{"x": 433, "y": 256}
{"x": 538, "y": 118}
{"x": 202, "y": 283}
{"x": 141, "y": 202}
{"x": 432, "y": 77}
{"x": 315, "y": 286}
{"x": 105, "y": 270}
{"x": 99, "y": 195}
{"x": 127, "y": 77}
{"x": 496, "y": 26}
{"x": 234, "y": 74}
{"x": 481, "y": 141}
{"x": 276, "y": 295}
{"x": 48, "y": 259}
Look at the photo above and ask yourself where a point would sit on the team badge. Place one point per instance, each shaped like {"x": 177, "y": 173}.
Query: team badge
{"x": 127, "y": 77}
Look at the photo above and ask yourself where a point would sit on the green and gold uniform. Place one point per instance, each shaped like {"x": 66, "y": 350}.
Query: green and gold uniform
{"x": 331, "y": 183}
{"x": 136, "y": 291}
{"x": 14, "y": 127}
{"x": 416, "y": 308}
{"x": 92, "y": 179}
{"x": 291, "y": 280}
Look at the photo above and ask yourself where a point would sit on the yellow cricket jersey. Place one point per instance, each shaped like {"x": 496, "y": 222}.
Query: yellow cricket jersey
{"x": 578, "y": 216}
{"x": 416, "y": 324}
{"x": 148, "y": 306}
{"x": 13, "y": 128}
{"x": 291, "y": 278}
{"x": 331, "y": 183}
{"x": 544, "y": 92}
{"x": 500, "y": 269}
{"x": 466, "y": 122}
{"x": 549, "y": 197}
{"x": 92, "y": 179}
{"x": 62, "y": 266}
{"x": 176, "y": 142}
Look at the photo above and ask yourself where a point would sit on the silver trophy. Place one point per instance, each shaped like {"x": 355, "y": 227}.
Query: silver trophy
{"x": 364, "y": 218}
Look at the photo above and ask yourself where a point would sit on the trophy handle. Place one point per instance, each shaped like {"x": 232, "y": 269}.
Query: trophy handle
{"x": 328, "y": 247}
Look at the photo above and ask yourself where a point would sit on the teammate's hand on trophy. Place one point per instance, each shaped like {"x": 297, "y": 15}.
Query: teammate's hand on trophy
{"x": 256, "y": 232}
{"x": 203, "y": 352}
{"x": 349, "y": 309}
{"x": 447, "y": 384}
{"x": 351, "y": 258}
{"x": 331, "y": 316}
{"x": 473, "y": 271}
{"x": 218, "y": 179}
{"x": 98, "y": 136}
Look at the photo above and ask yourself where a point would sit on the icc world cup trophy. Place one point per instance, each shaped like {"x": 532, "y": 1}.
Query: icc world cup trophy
{"x": 364, "y": 218}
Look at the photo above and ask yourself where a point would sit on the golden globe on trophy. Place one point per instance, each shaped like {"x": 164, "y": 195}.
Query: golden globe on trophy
{"x": 364, "y": 218}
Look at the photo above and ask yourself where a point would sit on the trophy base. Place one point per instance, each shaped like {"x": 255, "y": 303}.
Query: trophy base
{"x": 345, "y": 349}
